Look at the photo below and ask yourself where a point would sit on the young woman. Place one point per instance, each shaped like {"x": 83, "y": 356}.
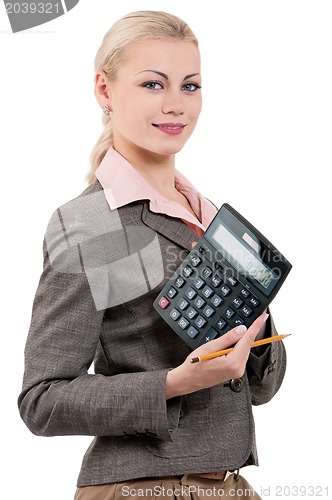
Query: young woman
{"x": 161, "y": 423}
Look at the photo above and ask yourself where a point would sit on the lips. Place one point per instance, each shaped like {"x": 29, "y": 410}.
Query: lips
{"x": 170, "y": 128}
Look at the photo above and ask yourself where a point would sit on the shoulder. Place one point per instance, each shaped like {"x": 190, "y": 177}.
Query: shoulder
{"x": 73, "y": 224}
{"x": 92, "y": 195}
{"x": 92, "y": 205}
{"x": 80, "y": 228}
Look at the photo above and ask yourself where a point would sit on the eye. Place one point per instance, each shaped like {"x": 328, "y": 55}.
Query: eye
{"x": 153, "y": 85}
{"x": 190, "y": 87}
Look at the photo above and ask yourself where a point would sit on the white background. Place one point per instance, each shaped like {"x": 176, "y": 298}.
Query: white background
{"x": 263, "y": 144}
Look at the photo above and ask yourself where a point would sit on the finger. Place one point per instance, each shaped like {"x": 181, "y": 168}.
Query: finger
{"x": 255, "y": 328}
{"x": 233, "y": 337}
{"x": 228, "y": 339}
{"x": 243, "y": 346}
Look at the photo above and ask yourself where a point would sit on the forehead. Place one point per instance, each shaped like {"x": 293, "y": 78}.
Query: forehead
{"x": 169, "y": 56}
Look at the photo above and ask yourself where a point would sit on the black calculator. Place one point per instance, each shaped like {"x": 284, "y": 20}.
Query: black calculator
{"x": 228, "y": 279}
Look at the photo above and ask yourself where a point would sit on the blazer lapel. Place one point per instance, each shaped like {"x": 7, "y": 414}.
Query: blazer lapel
{"x": 172, "y": 228}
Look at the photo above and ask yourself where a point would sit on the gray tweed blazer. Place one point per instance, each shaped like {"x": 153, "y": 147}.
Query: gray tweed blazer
{"x": 102, "y": 271}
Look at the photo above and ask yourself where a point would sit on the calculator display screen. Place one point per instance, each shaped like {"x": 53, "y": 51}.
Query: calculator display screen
{"x": 242, "y": 258}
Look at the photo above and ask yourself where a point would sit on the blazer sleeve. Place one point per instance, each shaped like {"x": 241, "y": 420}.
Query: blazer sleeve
{"x": 266, "y": 367}
{"x": 59, "y": 396}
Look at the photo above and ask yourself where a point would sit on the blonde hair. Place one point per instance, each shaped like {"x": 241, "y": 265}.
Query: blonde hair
{"x": 140, "y": 25}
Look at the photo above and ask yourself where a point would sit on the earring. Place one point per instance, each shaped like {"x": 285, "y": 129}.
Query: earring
{"x": 106, "y": 110}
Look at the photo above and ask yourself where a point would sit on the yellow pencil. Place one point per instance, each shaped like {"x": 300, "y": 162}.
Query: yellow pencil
{"x": 216, "y": 354}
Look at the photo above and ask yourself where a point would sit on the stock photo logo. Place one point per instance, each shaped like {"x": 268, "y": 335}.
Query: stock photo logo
{"x": 23, "y": 15}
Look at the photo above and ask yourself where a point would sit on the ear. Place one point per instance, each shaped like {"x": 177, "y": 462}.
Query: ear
{"x": 102, "y": 89}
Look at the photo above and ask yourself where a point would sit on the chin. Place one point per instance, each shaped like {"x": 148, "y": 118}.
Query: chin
{"x": 170, "y": 149}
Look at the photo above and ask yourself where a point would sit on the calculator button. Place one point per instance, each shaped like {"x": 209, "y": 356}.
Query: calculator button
{"x": 183, "y": 304}
{"x": 171, "y": 292}
{"x": 238, "y": 321}
{"x": 207, "y": 291}
{"x": 246, "y": 311}
{"x": 229, "y": 312}
{"x": 211, "y": 334}
{"x": 225, "y": 290}
{"x": 191, "y": 293}
{"x": 199, "y": 302}
{"x": 228, "y": 328}
{"x": 195, "y": 260}
{"x": 253, "y": 301}
{"x": 208, "y": 311}
{"x": 216, "y": 280}
{"x": 179, "y": 282}
{"x": 199, "y": 283}
{"x": 206, "y": 272}
{"x": 192, "y": 332}
{"x": 175, "y": 314}
{"x": 163, "y": 302}
{"x": 233, "y": 281}
{"x": 187, "y": 271}
{"x": 200, "y": 321}
{"x": 216, "y": 300}
{"x": 183, "y": 323}
{"x": 245, "y": 293}
{"x": 191, "y": 313}
{"x": 221, "y": 323}
{"x": 237, "y": 302}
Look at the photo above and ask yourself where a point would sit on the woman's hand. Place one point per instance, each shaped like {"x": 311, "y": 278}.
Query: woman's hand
{"x": 191, "y": 377}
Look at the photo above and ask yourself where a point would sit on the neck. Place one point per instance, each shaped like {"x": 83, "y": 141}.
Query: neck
{"x": 157, "y": 170}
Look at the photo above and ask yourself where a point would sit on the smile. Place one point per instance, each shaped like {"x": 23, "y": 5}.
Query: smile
{"x": 170, "y": 128}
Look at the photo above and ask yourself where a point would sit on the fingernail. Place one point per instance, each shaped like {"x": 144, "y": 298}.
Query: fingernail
{"x": 240, "y": 329}
{"x": 265, "y": 316}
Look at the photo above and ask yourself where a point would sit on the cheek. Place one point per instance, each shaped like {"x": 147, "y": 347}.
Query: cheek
{"x": 134, "y": 109}
{"x": 196, "y": 108}
{"x": 126, "y": 114}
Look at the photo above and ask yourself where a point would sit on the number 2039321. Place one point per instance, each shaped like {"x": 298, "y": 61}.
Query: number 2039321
{"x": 295, "y": 491}
{"x": 33, "y": 8}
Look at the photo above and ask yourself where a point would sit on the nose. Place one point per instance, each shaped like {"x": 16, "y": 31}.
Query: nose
{"x": 172, "y": 103}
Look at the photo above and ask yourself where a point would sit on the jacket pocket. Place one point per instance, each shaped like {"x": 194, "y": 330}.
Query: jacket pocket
{"x": 190, "y": 438}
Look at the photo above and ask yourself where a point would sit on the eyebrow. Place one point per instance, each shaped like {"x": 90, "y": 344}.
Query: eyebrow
{"x": 164, "y": 74}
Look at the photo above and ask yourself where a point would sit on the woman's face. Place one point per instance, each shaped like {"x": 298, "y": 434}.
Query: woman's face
{"x": 155, "y": 99}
